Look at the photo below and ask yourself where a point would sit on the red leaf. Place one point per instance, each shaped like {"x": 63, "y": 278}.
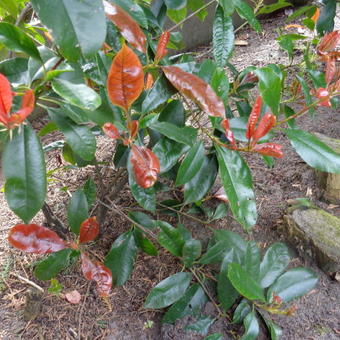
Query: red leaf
{"x": 195, "y": 89}
{"x": 228, "y": 133}
{"x": 73, "y": 297}
{"x": 328, "y": 42}
{"x": 149, "y": 81}
{"x": 89, "y": 230}
{"x": 316, "y": 15}
{"x": 128, "y": 27}
{"x": 99, "y": 273}
{"x": 330, "y": 70}
{"x": 126, "y": 78}
{"x": 28, "y": 100}
{"x": 161, "y": 47}
{"x": 133, "y": 129}
{"x": 254, "y": 117}
{"x": 322, "y": 93}
{"x": 250, "y": 77}
{"x": 265, "y": 125}
{"x": 111, "y": 131}
{"x": 6, "y": 96}
{"x": 145, "y": 166}
{"x": 269, "y": 149}
{"x": 34, "y": 238}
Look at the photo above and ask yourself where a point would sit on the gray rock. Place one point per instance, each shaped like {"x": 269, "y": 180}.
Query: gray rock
{"x": 319, "y": 232}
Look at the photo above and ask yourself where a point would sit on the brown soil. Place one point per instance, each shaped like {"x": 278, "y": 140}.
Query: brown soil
{"x": 123, "y": 316}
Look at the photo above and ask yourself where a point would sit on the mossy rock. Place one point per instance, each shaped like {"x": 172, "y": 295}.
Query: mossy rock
{"x": 329, "y": 183}
{"x": 319, "y": 231}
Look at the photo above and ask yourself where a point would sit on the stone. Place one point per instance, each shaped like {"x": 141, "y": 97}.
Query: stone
{"x": 329, "y": 183}
{"x": 319, "y": 232}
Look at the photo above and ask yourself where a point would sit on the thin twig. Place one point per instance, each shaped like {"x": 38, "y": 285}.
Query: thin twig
{"x": 53, "y": 221}
{"x": 82, "y": 310}
{"x": 28, "y": 281}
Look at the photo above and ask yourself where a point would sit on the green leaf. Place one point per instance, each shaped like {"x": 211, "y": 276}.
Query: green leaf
{"x": 252, "y": 327}
{"x": 223, "y": 37}
{"x": 306, "y": 92}
{"x": 185, "y": 135}
{"x": 244, "y": 283}
{"x": 90, "y": 191}
{"x": 195, "y": 5}
{"x": 55, "y": 287}
{"x": 170, "y": 238}
{"x": 220, "y": 84}
{"x": 77, "y": 211}
{"x": 77, "y": 94}
{"x": 121, "y": 258}
{"x": 190, "y": 303}
{"x": 266, "y": 9}
{"x": 275, "y": 261}
{"x": 325, "y": 22}
{"x": 191, "y": 251}
{"x": 237, "y": 183}
{"x": 252, "y": 260}
{"x": 142, "y": 219}
{"x": 202, "y": 325}
{"x": 293, "y": 284}
{"x": 314, "y": 152}
{"x": 191, "y": 164}
{"x": 173, "y": 113}
{"x": 177, "y": 15}
{"x": 215, "y": 336}
{"x": 241, "y": 311}
{"x": 25, "y": 173}
{"x": 134, "y": 10}
{"x": 228, "y": 6}
{"x": 168, "y": 291}
{"x": 270, "y": 86}
{"x": 175, "y": 4}
{"x": 146, "y": 198}
{"x": 79, "y": 137}
{"x": 50, "y": 267}
{"x": 15, "y": 70}
{"x": 247, "y": 13}
{"x": 201, "y": 183}
{"x": 10, "y": 6}
{"x": 168, "y": 152}
{"x": 226, "y": 292}
{"x": 17, "y": 41}
{"x": 274, "y": 330}
{"x": 144, "y": 243}
{"x": 160, "y": 92}
{"x": 83, "y": 27}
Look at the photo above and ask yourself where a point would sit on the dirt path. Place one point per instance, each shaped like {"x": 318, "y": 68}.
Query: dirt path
{"x": 317, "y": 316}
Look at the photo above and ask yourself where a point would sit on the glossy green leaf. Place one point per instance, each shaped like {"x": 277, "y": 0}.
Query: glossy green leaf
{"x": 25, "y": 173}
{"x": 17, "y": 41}
{"x": 175, "y": 4}
{"x": 195, "y": 5}
{"x": 191, "y": 251}
{"x": 270, "y": 87}
{"x": 50, "y": 267}
{"x": 83, "y": 27}
{"x": 185, "y": 135}
{"x": 252, "y": 327}
{"x": 237, "y": 183}
{"x": 226, "y": 292}
{"x": 325, "y": 22}
{"x": 190, "y": 303}
{"x": 191, "y": 164}
{"x": 144, "y": 243}
{"x": 78, "y": 115}
{"x": 121, "y": 258}
{"x": 306, "y": 91}
{"x": 173, "y": 113}
{"x": 313, "y": 151}
{"x": 77, "y": 94}
{"x": 177, "y": 15}
{"x": 274, "y": 330}
{"x": 15, "y": 70}
{"x": 202, "y": 325}
{"x": 79, "y": 137}
{"x": 223, "y": 37}
{"x": 142, "y": 219}
{"x": 270, "y": 8}
{"x": 241, "y": 311}
{"x": 160, "y": 92}
{"x": 168, "y": 152}
{"x": 252, "y": 260}
{"x": 293, "y": 284}
{"x": 247, "y": 13}
{"x": 220, "y": 84}
{"x": 146, "y": 198}
{"x": 201, "y": 183}
{"x": 168, "y": 291}
{"x": 90, "y": 191}
{"x": 228, "y": 6}
{"x": 275, "y": 261}
{"x": 244, "y": 283}
{"x": 77, "y": 211}
{"x": 170, "y": 238}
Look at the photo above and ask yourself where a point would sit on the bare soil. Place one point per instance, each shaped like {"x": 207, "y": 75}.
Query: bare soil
{"x": 123, "y": 316}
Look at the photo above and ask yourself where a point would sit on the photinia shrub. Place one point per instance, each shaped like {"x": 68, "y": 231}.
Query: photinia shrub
{"x": 174, "y": 125}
